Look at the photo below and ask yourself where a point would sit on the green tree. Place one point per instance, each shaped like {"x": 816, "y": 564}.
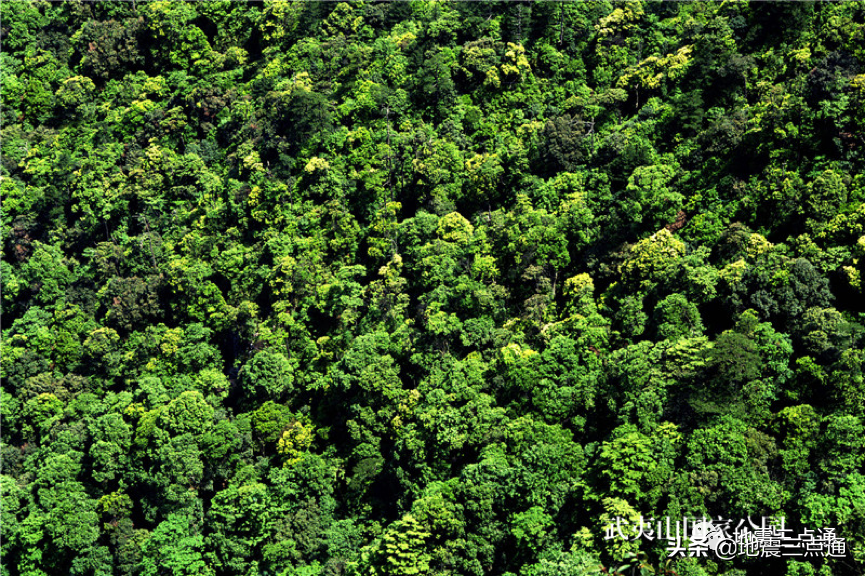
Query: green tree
{"x": 175, "y": 546}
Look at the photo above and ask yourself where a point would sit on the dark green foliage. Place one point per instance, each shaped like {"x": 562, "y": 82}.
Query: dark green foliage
{"x": 268, "y": 375}
{"x": 110, "y": 48}
{"x": 562, "y": 142}
{"x": 435, "y": 288}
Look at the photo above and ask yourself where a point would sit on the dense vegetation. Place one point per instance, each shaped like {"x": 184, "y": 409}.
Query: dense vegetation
{"x": 435, "y": 288}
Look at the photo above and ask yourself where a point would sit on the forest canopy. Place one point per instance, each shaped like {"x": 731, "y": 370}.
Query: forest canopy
{"x": 302, "y": 288}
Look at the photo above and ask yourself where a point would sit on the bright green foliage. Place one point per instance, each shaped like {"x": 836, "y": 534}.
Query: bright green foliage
{"x": 637, "y": 467}
{"x": 268, "y": 375}
{"x": 653, "y": 259}
{"x": 730, "y": 468}
{"x": 188, "y": 413}
{"x": 174, "y": 548}
{"x": 294, "y": 441}
{"x": 399, "y": 551}
{"x": 434, "y": 288}
{"x": 677, "y": 318}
